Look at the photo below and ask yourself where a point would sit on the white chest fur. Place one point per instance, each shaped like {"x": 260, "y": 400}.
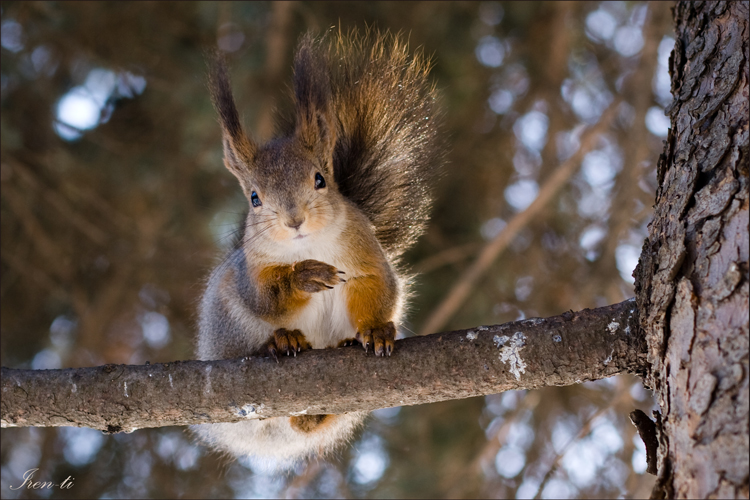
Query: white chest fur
{"x": 324, "y": 320}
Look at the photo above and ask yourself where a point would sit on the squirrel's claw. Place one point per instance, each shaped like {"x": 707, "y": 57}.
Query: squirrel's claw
{"x": 271, "y": 348}
{"x": 365, "y": 338}
{"x": 347, "y": 342}
{"x": 289, "y": 342}
{"x": 381, "y": 338}
{"x": 313, "y": 276}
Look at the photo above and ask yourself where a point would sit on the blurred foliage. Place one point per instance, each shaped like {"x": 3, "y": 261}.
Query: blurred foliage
{"x": 115, "y": 206}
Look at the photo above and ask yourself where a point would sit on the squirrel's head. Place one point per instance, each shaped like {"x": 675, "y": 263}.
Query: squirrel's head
{"x": 289, "y": 181}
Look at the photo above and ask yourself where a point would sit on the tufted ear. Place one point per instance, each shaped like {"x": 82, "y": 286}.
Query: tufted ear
{"x": 316, "y": 126}
{"x": 239, "y": 149}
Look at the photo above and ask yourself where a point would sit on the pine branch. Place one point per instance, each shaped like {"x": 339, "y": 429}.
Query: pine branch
{"x": 561, "y": 350}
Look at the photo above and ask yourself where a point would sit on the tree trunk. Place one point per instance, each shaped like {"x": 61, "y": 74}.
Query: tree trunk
{"x": 692, "y": 279}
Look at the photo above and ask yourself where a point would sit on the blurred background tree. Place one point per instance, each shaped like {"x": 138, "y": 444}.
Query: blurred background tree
{"x": 115, "y": 206}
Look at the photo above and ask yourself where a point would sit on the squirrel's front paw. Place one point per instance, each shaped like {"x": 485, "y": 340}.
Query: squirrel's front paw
{"x": 313, "y": 276}
{"x": 381, "y": 338}
{"x": 286, "y": 341}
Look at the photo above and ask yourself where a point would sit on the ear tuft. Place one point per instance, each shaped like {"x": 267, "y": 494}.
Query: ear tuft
{"x": 239, "y": 149}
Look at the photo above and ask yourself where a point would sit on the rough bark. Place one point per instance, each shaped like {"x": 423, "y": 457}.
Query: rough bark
{"x": 562, "y": 350}
{"x": 692, "y": 280}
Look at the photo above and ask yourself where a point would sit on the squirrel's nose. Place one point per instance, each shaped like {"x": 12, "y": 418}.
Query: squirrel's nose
{"x": 295, "y": 223}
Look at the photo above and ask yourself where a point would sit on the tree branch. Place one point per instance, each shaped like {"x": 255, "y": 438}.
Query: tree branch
{"x": 561, "y": 350}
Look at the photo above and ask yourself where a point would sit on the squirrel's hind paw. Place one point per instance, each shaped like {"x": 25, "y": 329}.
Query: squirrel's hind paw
{"x": 286, "y": 341}
{"x": 381, "y": 338}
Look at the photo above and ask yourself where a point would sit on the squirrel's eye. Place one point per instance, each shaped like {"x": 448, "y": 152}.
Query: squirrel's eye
{"x": 255, "y": 200}
{"x": 320, "y": 182}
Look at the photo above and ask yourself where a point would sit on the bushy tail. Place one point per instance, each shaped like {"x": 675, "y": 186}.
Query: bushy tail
{"x": 386, "y": 155}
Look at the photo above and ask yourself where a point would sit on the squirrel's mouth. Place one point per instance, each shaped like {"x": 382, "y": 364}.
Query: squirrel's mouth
{"x": 299, "y": 236}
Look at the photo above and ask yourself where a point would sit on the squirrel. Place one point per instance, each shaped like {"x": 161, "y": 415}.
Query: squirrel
{"x": 334, "y": 203}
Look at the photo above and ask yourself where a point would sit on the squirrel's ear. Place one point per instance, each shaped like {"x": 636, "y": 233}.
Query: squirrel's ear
{"x": 239, "y": 149}
{"x": 316, "y": 127}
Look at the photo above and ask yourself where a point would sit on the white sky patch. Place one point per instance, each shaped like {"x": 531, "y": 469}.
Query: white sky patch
{"x": 46, "y": 359}
{"x": 640, "y": 393}
{"x": 490, "y": 51}
{"x": 43, "y": 62}
{"x": 662, "y": 83}
{"x": 568, "y": 142}
{"x": 167, "y": 445}
{"x": 61, "y": 332}
{"x": 371, "y": 460}
{"x": 606, "y": 436}
{"x": 527, "y": 162}
{"x": 387, "y": 415}
{"x": 557, "y": 488}
{"x": 591, "y": 237}
{"x": 594, "y": 203}
{"x": 11, "y": 35}
{"x": 638, "y": 460}
{"x": 516, "y": 79}
{"x": 509, "y": 461}
{"x": 531, "y": 130}
{"x": 510, "y": 348}
{"x": 628, "y": 40}
{"x": 264, "y": 482}
{"x": 25, "y": 454}
{"x": 155, "y": 328}
{"x": 582, "y": 462}
{"x": 597, "y": 169}
{"x": 78, "y": 109}
{"x": 528, "y": 488}
{"x": 492, "y": 228}
{"x": 524, "y": 287}
{"x": 601, "y": 25}
{"x": 521, "y": 193}
{"x": 231, "y": 37}
{"x": 520, "y": 435}
{"x": 562, "y": 432}
{"x": 81, "y": 444}
{"x": 587, "y": 95}
{"x": 656, "y": 122}
{"x": 86, "y": 106}
{"x": 627, "y": 258}
{"x": 501, "y": 101}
